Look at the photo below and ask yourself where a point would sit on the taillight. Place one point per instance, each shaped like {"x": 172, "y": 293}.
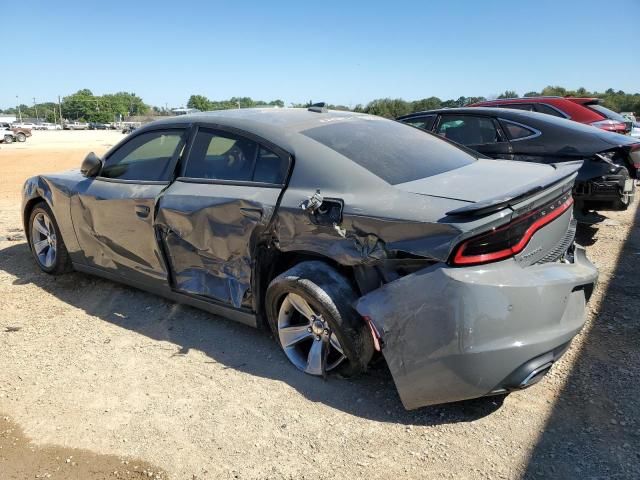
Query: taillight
{"x": 634, "y": 155}
{"x": 611, "y": 125}
{"x": 511, "y": 239}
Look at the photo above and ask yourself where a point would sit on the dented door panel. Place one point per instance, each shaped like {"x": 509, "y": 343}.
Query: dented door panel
{"x": 114, "y": 226}
{"x": 208, "y": 231}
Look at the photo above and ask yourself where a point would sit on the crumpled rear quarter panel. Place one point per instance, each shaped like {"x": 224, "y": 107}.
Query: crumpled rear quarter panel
{"x": 454, "y": 333}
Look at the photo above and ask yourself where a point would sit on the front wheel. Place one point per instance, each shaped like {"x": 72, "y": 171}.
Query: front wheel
{"x": 45, "y": 240}
{"x": 21, "y": 137}
{"x": 8, "y": 139}
{"x": 309, "y": 309}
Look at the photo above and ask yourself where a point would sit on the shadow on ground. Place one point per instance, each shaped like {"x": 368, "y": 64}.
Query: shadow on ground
{"x": 372, "y": 396}
{"x": 594, "y": 430}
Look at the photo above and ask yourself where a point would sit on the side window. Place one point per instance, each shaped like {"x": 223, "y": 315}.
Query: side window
{"x": 516, "y": 131}
{"x": 518, "y": 106}
{"x": 146, "y": 157}
{"x": 425, "y": 123}
{"x": 224, "y": 156}
{"x": 543, "y": 108}
{"x": 469, "y": 130}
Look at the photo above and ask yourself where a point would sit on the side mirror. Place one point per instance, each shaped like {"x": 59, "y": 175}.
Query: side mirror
{"x": 91, "y": 165}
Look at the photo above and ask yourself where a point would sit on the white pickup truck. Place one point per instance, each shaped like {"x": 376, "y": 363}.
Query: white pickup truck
{"x": 76, "y": 126}
{"x": 6, "y": 135}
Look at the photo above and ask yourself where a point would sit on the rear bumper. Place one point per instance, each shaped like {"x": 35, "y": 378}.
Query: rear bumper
{"x": 457, "y": 333}
{"x": 609, "y": 188}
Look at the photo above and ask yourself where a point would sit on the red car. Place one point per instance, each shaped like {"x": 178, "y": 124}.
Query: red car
{"x": 583, "y": 110}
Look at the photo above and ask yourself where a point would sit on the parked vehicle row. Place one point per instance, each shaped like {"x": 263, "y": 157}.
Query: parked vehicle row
{"x": 611, "y": 162}
{"x": 346, "y": 235}
{"x": 582, "y": 110}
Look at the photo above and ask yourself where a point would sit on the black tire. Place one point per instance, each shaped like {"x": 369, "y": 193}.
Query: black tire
{"x": 62, "y": 262}
{"x": 21, "y": 137}
{"x": 8, "y": 139}
{"x": 626, "y": 199}
{"x": 331, "y": 295}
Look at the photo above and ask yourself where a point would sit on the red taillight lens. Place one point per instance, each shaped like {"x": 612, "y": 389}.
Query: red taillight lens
{"x": 506, "y": 241}
{"x": 611, "y": 125}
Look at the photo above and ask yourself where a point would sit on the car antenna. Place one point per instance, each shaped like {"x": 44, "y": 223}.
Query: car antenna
{"x": 320, "y": 107}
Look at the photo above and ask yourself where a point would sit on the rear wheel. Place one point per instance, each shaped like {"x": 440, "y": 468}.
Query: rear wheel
{"x": 309, "y": 309}
{"x": 21, "y": 137}
{"x": 45, "y": 240}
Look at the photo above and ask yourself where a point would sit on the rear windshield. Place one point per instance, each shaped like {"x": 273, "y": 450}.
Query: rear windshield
{"x": 395, "y": 152}
{"x": 610, "y": 114}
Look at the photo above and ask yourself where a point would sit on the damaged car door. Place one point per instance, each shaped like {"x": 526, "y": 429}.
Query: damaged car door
{"x": 113, "y": 213}
{"x": 217, "y": 210}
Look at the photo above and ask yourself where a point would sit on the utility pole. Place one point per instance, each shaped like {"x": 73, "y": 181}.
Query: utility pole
{"x": 36, "y": 107}
{"x": 19, "y": 112}
{"x": 60, "y": 108}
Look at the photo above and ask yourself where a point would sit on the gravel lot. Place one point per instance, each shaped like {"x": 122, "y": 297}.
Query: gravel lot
{"x": 86, "y": 363}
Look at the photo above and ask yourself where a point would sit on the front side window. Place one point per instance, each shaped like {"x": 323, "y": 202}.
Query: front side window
{"x": 146, "y": 157}
{"x": 225, "y": 156}
{"x": 469, "y": 130}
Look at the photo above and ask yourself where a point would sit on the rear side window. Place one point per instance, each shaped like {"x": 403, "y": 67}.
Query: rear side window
{"x": 518, "y": 106}
{"x": 515, "y": 131}
{"x": 544, "y": 108}
{"x": 219, "y": 155}
{"x": 390, "y": 150}
{"x": 146, "y": 157}
{"x": 469, "y": 129}
{"x": 425, "y": 122}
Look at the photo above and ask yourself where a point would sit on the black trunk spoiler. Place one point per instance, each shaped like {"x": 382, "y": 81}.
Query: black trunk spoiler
{"x": 563, "y": 171}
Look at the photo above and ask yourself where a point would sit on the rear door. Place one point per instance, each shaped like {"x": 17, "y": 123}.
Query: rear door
{"x": 215, "y": 213}
{"x": 113, "y": 213}
{"x": 480, "y": 133}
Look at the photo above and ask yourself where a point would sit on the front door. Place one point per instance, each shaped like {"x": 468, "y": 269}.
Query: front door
{"x": 214, "y": 214}
{"x": 113, "y": 214}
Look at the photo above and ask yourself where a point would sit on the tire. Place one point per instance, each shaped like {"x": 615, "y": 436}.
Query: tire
{"x": 8, "y": 139}
{"x": 21, "y": 137}
{"x": 335, "y": 324}
{"x": 41, "y": 243}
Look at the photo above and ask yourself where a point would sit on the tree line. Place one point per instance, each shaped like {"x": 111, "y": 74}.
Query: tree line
{"x": 84, "y": 106}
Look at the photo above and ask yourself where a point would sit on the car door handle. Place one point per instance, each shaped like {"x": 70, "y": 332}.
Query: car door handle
{"x": 142, "y": 211}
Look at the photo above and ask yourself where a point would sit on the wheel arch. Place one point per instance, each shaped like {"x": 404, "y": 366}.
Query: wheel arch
{"x": 271, "y": 262}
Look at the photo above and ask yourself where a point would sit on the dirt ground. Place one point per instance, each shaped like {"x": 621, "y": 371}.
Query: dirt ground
{"x": 124, "y": 375}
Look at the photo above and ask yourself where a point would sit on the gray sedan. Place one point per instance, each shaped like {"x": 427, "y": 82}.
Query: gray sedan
{"x": 344, "y": 234}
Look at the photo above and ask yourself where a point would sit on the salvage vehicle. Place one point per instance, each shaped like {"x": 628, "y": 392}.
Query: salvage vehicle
{"x": 20, "y": 134}
{"x": 611, "y": 161}
{"x": 582, "y": 110}
{"x": 343, "y": 233}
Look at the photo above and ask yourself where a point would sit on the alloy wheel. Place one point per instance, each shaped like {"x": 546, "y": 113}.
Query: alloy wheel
{"x": 306, "y": 337}
{"x": 43, "y": 239}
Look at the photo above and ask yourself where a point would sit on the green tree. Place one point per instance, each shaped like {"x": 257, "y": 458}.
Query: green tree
{"x": 508, "y": 94}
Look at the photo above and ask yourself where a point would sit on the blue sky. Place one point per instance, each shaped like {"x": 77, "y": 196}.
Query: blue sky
{"x": 344, "y": 52}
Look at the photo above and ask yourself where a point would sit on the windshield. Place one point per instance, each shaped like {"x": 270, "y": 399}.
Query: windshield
{"x": 610, "y": 114}
{"x": 393, "y": 151}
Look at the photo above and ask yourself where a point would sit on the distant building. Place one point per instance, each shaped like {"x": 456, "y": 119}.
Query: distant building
{"x": 7, "y": 118}
{"x": 184, "y": 111}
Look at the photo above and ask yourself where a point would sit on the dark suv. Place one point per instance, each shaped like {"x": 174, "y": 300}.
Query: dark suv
{"x": 583, "y": 110}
